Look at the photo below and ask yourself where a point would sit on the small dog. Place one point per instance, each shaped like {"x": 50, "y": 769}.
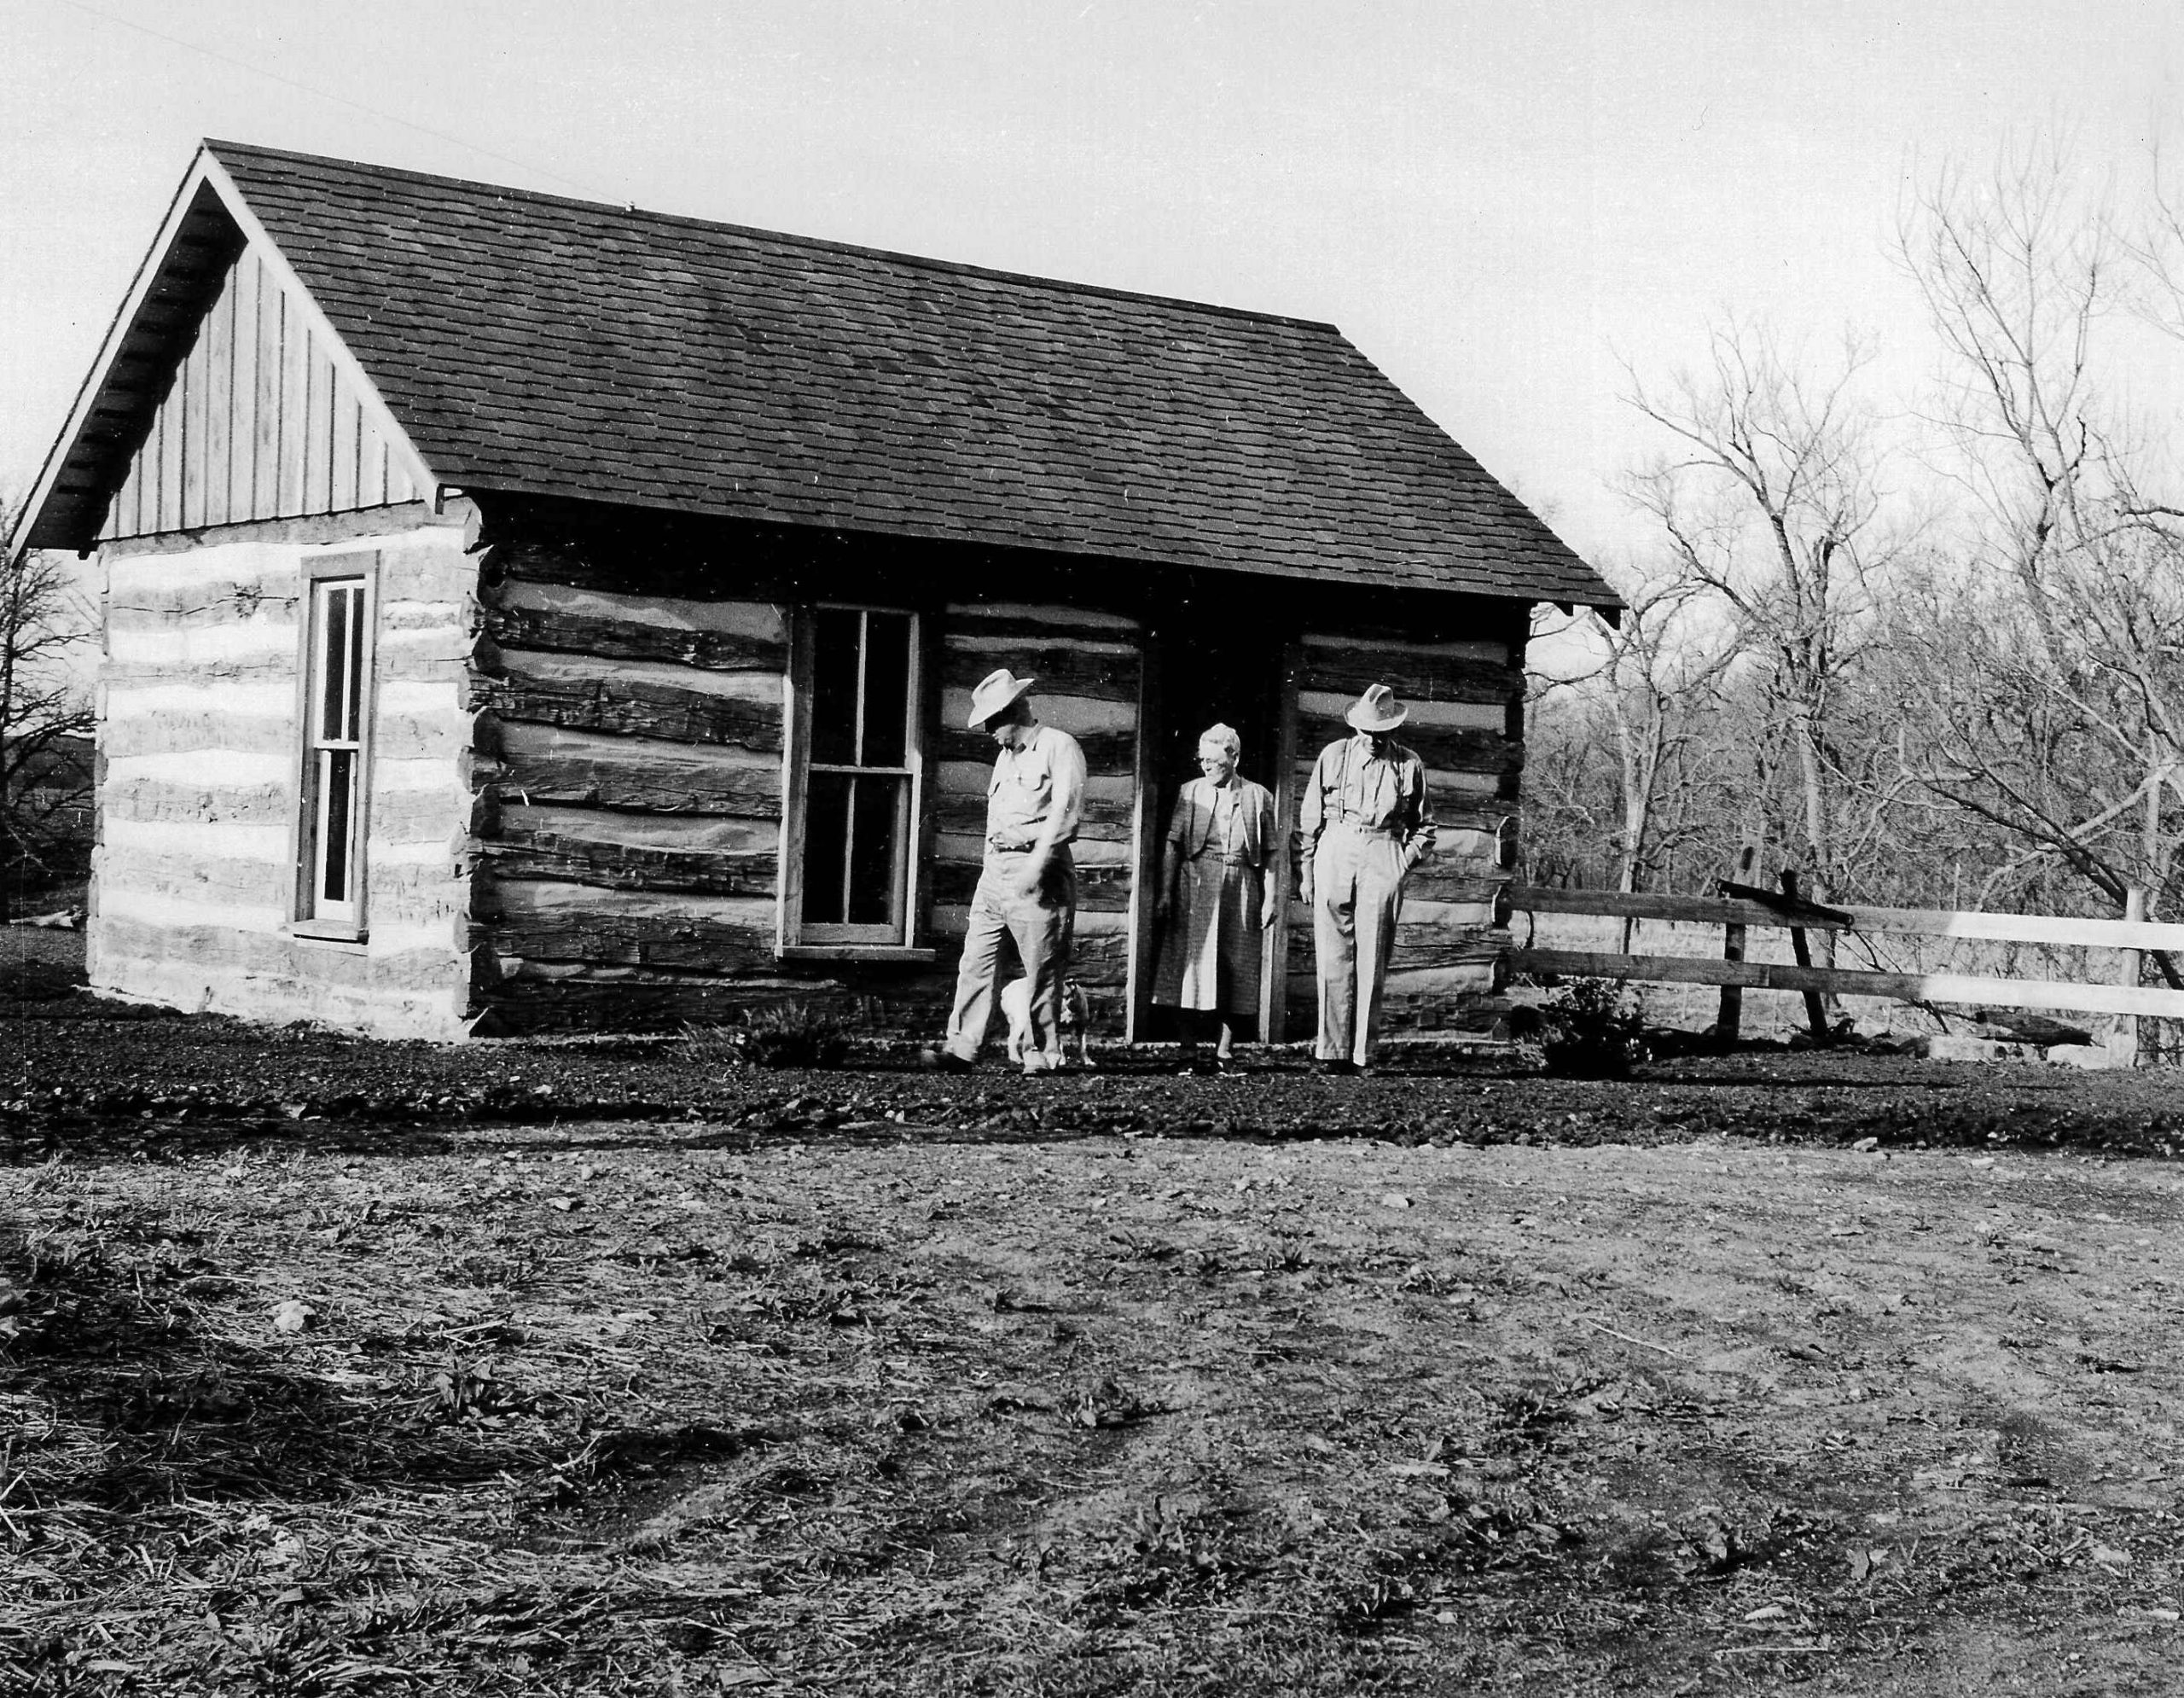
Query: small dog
{"x": 1075, "y": 1017}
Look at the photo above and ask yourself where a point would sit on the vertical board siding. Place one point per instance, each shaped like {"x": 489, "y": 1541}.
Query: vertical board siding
{"x": 348, "y": 419}
{"x": 1448, "y": 949}
{"x": 218, "y": 336}
{"x": 128, "y": 501}
{"x": 259, "y": 423}
{"x": 266, "y": 401}
{"x": 295, "y": 405}
{"x": 165, "y": 491}
{"x": 194, "y": 875}
{"x": 371, "y": 472}
{"x": 196, "y": 387}
{"x": 242, "y": 389}
{"x": 317, "y": 425}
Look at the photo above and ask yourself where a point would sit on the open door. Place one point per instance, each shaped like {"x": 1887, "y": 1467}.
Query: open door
{"x": 1213, "y": 668}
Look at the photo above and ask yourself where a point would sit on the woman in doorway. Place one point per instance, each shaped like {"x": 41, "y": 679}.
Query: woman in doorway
{"x": 1217, "y": 894}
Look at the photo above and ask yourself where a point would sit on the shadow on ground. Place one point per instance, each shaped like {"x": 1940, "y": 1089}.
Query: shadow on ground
{"x": 119, "y": 1348}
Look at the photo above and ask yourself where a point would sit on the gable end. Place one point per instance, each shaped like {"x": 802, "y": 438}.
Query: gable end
{"x": 258, "y": 422}
{"x": 222, "y": 397}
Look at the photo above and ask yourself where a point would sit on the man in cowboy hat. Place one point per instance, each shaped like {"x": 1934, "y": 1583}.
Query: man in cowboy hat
{"x": 1365, "y": 822}
{"x": 1027, "y": 888}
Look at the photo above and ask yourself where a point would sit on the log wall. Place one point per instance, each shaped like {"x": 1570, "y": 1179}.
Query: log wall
{"x": 629, "y": 766}
{"x": 1466, "y": 698}
{"x": 194, "y": 873}
{"x": 576, "y": 804}
{"x": 1088, "y": 668}
{"x": 260, "y": 424}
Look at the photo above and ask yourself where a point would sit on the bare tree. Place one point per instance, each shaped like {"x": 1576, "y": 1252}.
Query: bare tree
{"x": 1622, "y": 751}
{"x": 2053, "y": 634}
{"x": 45, "y": 718}
{"x": 1570, "y": 794}
{"x": 1661, "y": 694}
{"x": 1771, "y": 507}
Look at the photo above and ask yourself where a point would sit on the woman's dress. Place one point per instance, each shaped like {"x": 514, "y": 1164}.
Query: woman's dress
{"x": 1210, "y": 959}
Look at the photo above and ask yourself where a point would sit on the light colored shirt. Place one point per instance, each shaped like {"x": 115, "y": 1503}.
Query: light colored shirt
{"x": 1226, "y": 824}
{"x": 1042, "y": 781}
{"x": 1352, "y": 784}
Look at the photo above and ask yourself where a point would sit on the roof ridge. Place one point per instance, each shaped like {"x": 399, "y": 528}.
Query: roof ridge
{"x": 821, "y": 244}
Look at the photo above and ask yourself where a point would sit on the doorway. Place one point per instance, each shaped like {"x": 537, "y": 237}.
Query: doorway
{"x": 1214, "y": 664}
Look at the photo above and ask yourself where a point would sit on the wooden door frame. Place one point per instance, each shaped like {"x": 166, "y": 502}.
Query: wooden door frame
{"x": 1273, "y": 957}
{"x": 1145, "y": 884}
{"x": 1145, "y": 837}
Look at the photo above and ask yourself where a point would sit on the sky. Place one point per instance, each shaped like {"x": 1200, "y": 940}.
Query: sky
{"x": 1501, "y": 203}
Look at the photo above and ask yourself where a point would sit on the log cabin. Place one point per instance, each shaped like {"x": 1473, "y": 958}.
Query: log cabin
{"x": 522, "y": 615}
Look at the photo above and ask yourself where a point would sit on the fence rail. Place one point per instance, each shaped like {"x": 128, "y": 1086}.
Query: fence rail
{"x": 1723, "y": 910}
{"x": 2126, "y": 997}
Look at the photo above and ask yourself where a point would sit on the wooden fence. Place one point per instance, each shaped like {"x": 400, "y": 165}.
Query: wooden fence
{"x": 2133, "y": 938}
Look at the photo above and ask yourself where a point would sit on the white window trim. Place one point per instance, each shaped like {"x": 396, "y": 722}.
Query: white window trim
{"x": 793, "y": 940}
{"x": 349, "y": 924}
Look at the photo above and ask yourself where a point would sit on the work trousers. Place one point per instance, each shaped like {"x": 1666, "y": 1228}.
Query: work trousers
{"x": 1041, "y": 925}
{"x": 1356, "y": 900}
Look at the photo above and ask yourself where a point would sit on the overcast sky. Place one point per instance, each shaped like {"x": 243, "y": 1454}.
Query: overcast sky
{"x": 1497, "y": 202}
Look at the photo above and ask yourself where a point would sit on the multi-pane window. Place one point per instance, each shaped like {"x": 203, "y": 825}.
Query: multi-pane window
{"x": 335, "y": 723}
{"x": 860, "y": 782}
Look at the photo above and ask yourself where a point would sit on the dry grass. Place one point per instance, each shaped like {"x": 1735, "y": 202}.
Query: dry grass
{"x": 872, "y": 1382}
{"x": 665, "y": 1409}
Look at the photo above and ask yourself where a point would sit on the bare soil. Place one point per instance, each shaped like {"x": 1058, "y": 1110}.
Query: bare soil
{"x": 612, "y": 1373}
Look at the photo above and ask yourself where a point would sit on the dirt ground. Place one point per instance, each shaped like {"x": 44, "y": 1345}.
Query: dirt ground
{"x": 339, "y": 1367}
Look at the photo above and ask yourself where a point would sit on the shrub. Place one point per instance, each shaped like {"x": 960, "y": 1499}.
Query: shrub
{"x": 787, "y": 1035}
{"x": 1594, "y": 1031}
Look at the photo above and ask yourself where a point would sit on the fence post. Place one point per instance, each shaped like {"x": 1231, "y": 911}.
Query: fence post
{"x": 2123, "y": 1040}
{"x": 1815, "y": 1008}
{"x": 1731, "y": 1010}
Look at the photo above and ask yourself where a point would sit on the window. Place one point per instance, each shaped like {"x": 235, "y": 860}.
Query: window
{"x": 860, "y": 781}
{"x": 337, "y": 719}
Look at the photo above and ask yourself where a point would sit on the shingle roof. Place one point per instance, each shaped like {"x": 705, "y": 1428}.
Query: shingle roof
{"x": 531, "y": 343}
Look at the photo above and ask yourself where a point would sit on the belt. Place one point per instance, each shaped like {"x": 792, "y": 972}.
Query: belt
{"x": 1362, "y": 829}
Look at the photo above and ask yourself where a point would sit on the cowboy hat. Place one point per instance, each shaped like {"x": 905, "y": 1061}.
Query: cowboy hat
{"x": 1377, "y": 711}
{"x": 995, "y": 692}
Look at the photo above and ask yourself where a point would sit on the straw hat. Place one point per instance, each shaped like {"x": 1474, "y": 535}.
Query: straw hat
{"x": 995, "y": 692}
{"x": 1377, "y": 711}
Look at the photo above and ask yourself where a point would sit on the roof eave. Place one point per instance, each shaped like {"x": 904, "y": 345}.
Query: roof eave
{"x": 29, "y": 517}
{"x": 1564, "y": 596}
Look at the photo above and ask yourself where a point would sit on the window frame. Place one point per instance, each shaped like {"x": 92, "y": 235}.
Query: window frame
{"x": 794, "y": 939}
{"x": 349, "y": 922}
